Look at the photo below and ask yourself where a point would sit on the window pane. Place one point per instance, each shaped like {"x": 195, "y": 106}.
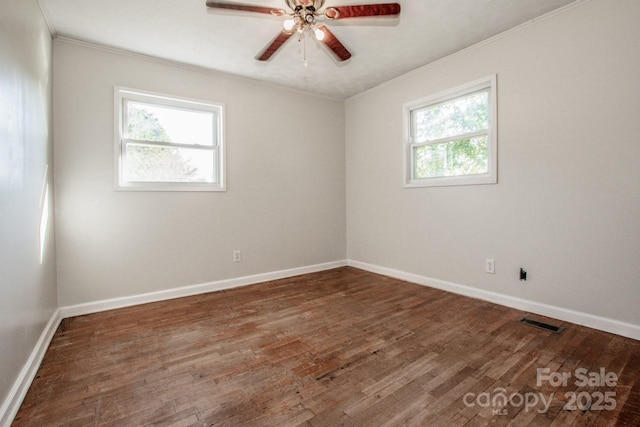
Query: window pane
{"x": 456, "y": 158}
{"x": 166, "y": 124}
{"x": 148, "y": 163}
{"x": 456, "y": 117}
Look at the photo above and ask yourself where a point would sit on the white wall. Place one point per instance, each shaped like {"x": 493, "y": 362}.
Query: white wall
{"x": 285, "y": 200}
{"x": 27, "y": 287}
{"x": 567, "y": 205}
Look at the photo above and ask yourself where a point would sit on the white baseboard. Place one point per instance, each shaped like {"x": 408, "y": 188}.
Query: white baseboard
{"x": 185, "y": 291}
{"x": 596, "y": 322}
{"x": 16, "y": 395}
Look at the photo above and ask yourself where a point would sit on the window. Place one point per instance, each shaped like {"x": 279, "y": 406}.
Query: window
{"x": 167, "y": 143}
{"x": 450, "y": 137}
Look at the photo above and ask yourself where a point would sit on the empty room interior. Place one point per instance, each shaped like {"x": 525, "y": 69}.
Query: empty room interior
{"x": 286, "y": 212}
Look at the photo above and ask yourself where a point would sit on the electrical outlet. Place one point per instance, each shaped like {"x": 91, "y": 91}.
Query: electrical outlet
{"x": 490, "y": 266}
{"x": 236, "y": 255}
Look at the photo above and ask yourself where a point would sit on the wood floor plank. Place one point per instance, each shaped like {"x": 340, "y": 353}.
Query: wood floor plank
{"x": 339, "y": 347}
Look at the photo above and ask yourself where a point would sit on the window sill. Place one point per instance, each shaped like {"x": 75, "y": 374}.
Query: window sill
{"x": 452, "y": 180}
{"x": 170, "y": 187}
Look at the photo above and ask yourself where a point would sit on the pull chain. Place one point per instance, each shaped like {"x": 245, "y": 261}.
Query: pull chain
{"x": 304, "y": 50}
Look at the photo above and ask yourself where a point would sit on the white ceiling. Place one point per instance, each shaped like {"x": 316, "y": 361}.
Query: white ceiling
{"x": 228, "y": 41}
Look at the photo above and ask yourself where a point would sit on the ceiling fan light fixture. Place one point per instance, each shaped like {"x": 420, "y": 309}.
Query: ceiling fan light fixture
{"x": 319, "y": 34}
{"x": 289, "y": 24}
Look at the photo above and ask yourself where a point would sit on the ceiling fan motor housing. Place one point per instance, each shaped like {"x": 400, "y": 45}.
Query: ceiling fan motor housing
{"x": 316, "y": 4}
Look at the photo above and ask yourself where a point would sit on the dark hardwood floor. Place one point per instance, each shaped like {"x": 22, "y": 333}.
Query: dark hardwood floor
{"x": 340, "y": 347}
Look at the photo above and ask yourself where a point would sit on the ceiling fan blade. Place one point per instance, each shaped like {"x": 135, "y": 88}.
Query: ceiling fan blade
{"x": 274, "y": 46}
{"x": 334, "y": 44}
{"x": 358, "y": 11}
{"x": 245, "y": 7}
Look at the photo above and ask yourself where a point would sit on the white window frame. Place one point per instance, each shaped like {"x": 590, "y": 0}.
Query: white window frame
{"x": 491, "y": 177}
{"x": 123, "y": 93}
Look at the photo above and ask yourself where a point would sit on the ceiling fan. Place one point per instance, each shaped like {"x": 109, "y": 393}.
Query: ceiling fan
{"x": 304, "y": 16}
